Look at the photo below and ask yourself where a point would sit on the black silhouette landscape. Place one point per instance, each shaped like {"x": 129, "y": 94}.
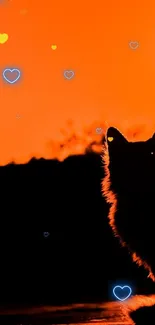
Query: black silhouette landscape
{"x": 81, "y": 259}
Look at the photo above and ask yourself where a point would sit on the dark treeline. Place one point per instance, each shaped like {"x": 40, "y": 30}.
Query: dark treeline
{"x": 81, "y": 259}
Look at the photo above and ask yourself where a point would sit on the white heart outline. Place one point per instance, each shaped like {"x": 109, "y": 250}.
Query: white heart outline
{"x": 134, "y": 42}
{"x": 99, "y": 130}
{"x": 69, "y": 71}
{"x": 11, "y": 70}
{"x": 116, "y": 287}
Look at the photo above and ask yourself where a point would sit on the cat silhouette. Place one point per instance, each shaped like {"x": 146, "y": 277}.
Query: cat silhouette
{"x": 129, "y": 187}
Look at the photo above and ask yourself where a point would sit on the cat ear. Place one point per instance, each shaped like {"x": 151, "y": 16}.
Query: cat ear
{"x": 114, "y": 136}
{"x": 153, "y": 137}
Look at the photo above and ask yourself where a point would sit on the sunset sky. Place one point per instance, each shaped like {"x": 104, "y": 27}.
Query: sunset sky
{"x": 113, "y": 84}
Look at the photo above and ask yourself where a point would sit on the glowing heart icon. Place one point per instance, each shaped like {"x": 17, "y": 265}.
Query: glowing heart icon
{"x": 122, "y": 293}
{"x": 99, "y": 130}
{"x": 133, "y": 45}
{"x": 11, "y": 75}
{"x": 68, "y": 74}
{"x": 53, "y": 47}
{"x": 110, "y": 139}
{"x": 46, "y": 234}
{"x": 3, "y": 38}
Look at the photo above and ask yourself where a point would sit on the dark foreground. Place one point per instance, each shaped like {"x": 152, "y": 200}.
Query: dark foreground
{"x": 107, "y": 313}
{"x": 81, "y": 259}
{"x": 79, "y": 262}
{"x": 110, "y": 313}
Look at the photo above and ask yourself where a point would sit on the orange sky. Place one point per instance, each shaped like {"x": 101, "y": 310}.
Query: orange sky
{"x": 113, "y": 84}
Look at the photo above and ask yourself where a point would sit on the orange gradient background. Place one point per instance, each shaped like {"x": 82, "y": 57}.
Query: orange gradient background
{"x": 113, "y": 84}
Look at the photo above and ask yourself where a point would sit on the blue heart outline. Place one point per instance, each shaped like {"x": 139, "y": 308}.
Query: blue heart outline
{"x": 46, "y": 234}
{"x": 11, "y": 70}
{"x": 120, "y": 287}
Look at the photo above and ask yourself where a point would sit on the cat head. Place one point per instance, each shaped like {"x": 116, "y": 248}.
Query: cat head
{"x": 131, "y": 164}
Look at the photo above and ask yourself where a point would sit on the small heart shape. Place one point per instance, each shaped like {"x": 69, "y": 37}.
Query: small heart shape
{"x": 11, "y": 75}
{"x": 110, "y": 139}
{"x": 122, "y": 293}
{"x": 53, "y": 47}
{"x": 3, "y": 38}
{"x": 46, "y": 234}
{"x": 133, "y": 45}
{"x": 98, "y": 130}
{"x": 69, "y": 74}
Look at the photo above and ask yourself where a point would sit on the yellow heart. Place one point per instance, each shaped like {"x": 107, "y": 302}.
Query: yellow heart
{"x": 3, "y": 38}
{"x": 53, "y": 47}
{"x": 110, "y": 139}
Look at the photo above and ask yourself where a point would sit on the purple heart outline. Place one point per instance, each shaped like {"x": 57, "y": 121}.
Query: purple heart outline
{"x": 68, "y": 74}
{"x": 8, "y": 71}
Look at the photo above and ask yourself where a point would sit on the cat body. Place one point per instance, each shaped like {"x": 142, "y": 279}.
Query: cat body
{"x": 129, "y": 187}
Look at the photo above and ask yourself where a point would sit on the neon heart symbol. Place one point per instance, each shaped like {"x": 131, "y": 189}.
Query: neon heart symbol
{"x": 68, "y": 74}
{"x": 46, "y": 234}
{"x": 110, "y": 139}
{"x": 118, "y": 291}
{"x": 98, "y": 130}
{"x": 11, "y": 75}
{"x": 3, "y": 38}
{"x": 133, "y": 45}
